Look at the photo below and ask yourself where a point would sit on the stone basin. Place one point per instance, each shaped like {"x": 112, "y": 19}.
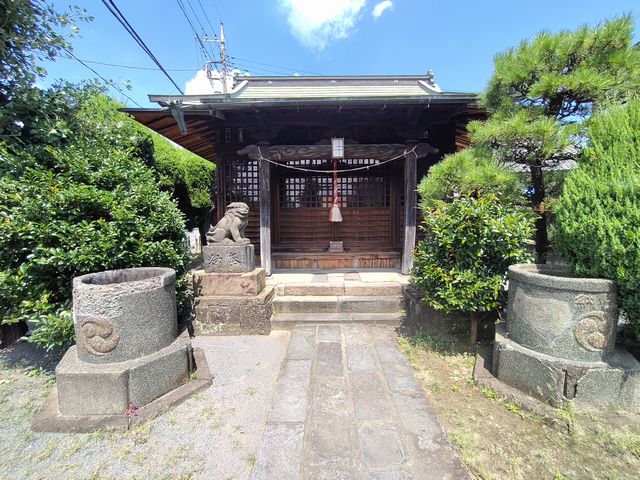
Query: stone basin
{"x": 552, "y": 312}
{"x": 121, "y": 315}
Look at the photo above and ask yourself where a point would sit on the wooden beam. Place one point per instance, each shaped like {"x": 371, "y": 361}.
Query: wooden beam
{"x": 265, "y": 214}
{"x": 410, "y": 205}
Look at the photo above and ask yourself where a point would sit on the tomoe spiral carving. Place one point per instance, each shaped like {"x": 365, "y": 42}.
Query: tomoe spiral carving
{"x": 591, "y": 331}
{"x": 99, "y": 335}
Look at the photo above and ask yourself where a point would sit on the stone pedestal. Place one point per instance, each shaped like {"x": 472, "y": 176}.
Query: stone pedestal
{"x": 228, "y": 258}
{"x": 128, "y": 354}
{"x": 559, "y": 340}
{"x": 232, "y": 303}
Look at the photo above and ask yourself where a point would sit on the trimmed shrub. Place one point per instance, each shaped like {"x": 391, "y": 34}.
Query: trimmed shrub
{"x": 598, "y": 213}
{"x": 461, "y": 264}
{"x": 471, "y": 172}
{"x": 84, "y": 203}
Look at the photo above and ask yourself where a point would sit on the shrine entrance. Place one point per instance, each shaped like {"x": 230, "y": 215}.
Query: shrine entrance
{"x": 367, "y": 200}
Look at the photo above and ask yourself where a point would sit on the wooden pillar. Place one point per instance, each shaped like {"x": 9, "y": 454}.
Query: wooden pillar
{"x": 410, "y": 205}
{"x": 265, "y": 211}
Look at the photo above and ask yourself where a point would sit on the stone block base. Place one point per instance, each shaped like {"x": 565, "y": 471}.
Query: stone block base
{"x": 241, "y": 284}
{"x": 237, "y": 258}
{"x": 110, "y": 388}
{"x": 234, "y": 315}
{"x": 51, "y": 419}
{"x": 614, "y": 383}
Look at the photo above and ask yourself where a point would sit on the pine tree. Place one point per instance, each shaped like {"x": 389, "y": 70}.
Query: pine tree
{"x": 541, "y": 93}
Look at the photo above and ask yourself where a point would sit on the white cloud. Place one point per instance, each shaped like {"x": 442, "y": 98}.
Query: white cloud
{"x": 380, "y": 8}
{"x": 316, "y": 23}
{"x": 198, "y": 85}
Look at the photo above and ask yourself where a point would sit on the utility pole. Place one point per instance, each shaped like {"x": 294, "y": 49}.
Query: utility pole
{"x": 222, "y": 45}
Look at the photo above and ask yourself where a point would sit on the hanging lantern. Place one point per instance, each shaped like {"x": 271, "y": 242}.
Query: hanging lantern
{"x": 337, "y": 151}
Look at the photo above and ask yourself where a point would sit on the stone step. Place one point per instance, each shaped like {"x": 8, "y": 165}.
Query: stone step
{"x": 349, "y": 288}
{"x": 322, "y": 304}
{"x": 283, "y": 321}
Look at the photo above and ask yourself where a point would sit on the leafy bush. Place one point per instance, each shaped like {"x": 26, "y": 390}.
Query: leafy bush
{"x": 461, "y": 264}
{"x": 471, "y": 172}
{"x": 598, "y": 213}
{"x": 80, "y": 203}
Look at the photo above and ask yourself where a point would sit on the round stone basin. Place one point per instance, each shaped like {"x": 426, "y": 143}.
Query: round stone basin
{"x": 121, "y": 315}
{"x": 552, "y": 312}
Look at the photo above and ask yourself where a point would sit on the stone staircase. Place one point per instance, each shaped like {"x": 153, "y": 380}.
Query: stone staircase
{"x": 341, "y": 301}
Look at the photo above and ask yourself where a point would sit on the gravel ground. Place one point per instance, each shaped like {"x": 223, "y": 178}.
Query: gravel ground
{"x": 213, "y": 435}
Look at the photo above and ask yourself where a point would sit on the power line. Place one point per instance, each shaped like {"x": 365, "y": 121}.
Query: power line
{"x": 133, "y": 67}
{"x": 108, "y": 82}
{"x": 195, "y": 32}
{"x": 111, "y": 6}
{"x": 244, "y": 60}
{"x": 201, "y": 27}
{"x": 206, "y": 17}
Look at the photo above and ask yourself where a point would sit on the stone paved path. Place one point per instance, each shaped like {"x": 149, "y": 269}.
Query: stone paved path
{"x": 347, "y": 406}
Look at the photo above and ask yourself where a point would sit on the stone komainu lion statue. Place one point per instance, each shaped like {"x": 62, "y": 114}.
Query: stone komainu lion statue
{"x": 230, "y": 229}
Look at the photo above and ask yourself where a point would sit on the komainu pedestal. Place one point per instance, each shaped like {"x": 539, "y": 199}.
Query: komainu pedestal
{"x": 228, "y": 258}
{"x": 232, "y": 303}
{"x": 230, "y": 294}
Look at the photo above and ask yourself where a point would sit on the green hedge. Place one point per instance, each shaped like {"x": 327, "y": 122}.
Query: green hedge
{"x": 598, "y": 213}
{"x": 77, "y": 196}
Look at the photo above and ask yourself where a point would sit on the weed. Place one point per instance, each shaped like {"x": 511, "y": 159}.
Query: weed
{"x": 624, "y": 441}
{"x": 250, "y": 391}
{"x": 34, "y": 372}
{"x": 45, "y": 452}
{"x": 250, "y": 460}
{"x": 455, "y": 388}
{"x": 513, "y": 407}
{"x": 490, "y": 393}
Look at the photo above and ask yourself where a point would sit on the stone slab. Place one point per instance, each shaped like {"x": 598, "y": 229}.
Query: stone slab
{"x": 381, "y": 446}
{"x": 291, "y": 400}
{"x": 241, "y": 284}
{"x": 280, "y": 453}
{"x": 329, "y": 333}
{"x": 228, "y": 258}
{"x": 360, "y": 358}
{"x": 329, "y": 359}
{"x": 327, "y": 438}
{"x": 302, "y": 343}
{"x": 369, "y": 399}
{"x": 234, "y": 315}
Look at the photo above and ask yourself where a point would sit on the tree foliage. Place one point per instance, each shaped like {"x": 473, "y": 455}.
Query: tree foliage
{"x": 32, "y": 31}
{"x": 461, "y": 264}
{"x": 542, "y": 91}
{"x": 470, "y": 172}
{"x": 598, "y": 213}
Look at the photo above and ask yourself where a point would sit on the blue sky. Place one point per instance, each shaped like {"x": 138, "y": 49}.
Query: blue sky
{"x": 457, "y": 39}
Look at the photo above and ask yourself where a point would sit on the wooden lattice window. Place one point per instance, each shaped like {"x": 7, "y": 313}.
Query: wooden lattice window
{"x": 242, "y": 182}
{"x": 360, "y": 189}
